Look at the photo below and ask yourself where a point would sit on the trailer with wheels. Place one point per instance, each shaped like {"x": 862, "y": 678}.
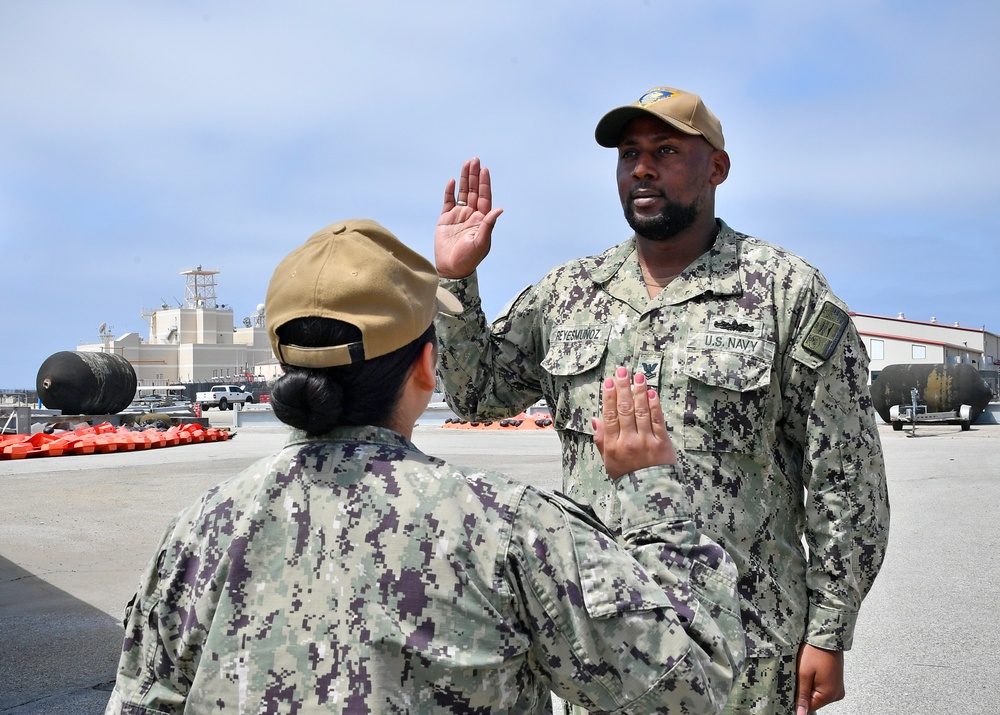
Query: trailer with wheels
{"x": 916, "y": 413}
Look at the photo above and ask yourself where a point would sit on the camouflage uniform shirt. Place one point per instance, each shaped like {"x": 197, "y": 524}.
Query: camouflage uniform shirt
{"x": 763, "y": 380}
{"x": 351, "y": 573}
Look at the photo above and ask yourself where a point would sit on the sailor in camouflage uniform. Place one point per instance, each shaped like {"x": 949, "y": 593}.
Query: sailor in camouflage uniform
{"x": 351, "y": 573}
{"x": 761, "y": 372}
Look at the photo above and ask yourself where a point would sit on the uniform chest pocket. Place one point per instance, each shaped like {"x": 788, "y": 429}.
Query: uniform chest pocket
{"x": 574, "y": 361}
{"x": 726, "y": 402}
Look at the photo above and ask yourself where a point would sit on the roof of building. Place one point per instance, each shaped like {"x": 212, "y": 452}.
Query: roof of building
{"x": 933, "y": 323}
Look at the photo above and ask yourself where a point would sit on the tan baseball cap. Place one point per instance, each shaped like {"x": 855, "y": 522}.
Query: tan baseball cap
{"x": 679, "y": 109}
{"x": 357, "y": 272}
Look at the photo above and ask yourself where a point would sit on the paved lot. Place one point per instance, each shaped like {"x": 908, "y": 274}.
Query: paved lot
{"x": 76, "y": 531}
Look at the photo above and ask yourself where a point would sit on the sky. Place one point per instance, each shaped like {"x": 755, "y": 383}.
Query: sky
{"x": 142, "y": 139}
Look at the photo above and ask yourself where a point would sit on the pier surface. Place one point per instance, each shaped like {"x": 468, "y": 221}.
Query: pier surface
{"x": 76, "y": 531}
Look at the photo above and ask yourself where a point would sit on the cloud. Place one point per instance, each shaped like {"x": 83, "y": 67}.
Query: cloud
{"x": 145, "y": 138}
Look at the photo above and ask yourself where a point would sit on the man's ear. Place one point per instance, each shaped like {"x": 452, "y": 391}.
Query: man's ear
{"x": 720, "y": 167}
{"x": 425, "y": 368}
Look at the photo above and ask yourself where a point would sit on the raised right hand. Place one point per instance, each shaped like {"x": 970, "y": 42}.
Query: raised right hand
{"x": 465, "y": 228}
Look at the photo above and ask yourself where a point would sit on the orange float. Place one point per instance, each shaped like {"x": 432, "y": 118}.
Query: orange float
{"x": 105, "y": 438}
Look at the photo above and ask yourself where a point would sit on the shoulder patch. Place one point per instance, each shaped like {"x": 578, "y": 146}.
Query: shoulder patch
{"x": 827, "y": 330}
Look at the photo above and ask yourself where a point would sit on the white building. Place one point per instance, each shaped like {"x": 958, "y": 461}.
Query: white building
{"x": 196, "y": 342}
{"x": 898, "y": 340}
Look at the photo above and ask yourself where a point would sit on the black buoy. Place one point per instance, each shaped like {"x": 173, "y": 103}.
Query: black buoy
{"x": 81, "y": 383}
{"x": 941, "y": 387}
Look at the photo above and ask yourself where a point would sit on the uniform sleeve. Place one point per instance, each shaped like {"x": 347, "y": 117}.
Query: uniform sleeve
{"x": 829, "y": 413}
{"x": 488, "y": 371}
{"x": 646, "y": 624}
{"x": 148, "y": 679}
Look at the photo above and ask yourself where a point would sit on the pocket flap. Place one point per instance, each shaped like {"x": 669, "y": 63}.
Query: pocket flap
{"x": 575, "y": 349}
{"x": 729, "y": 362}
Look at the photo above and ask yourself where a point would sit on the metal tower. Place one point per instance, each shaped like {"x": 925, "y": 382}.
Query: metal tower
{"x": 199, "y": 291}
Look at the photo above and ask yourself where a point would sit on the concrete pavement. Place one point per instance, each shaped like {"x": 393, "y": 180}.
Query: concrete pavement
{"x": 76, "y": 531}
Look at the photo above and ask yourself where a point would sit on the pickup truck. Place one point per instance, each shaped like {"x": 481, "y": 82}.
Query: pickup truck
{"x": 223, "y": 397}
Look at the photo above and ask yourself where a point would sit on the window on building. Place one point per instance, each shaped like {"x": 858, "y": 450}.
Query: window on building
{"x": 919, "y": 352}
{"x": 878, "y": 349}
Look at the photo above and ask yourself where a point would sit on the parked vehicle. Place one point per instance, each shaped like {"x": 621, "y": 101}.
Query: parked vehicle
{"x": 168, "y": 400}
{"x": 223, "y": 397}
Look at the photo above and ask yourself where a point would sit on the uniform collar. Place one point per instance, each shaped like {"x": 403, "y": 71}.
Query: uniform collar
{"x": 716, "y": 271}
{"x": 370, "y": 434}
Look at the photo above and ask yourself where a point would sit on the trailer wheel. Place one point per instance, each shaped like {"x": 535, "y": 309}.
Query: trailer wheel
{"x": 966, "y": 426}
{"x": 897, "y": 426}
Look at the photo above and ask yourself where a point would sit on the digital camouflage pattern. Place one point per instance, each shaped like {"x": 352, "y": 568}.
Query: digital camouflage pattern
{"x": 351, "y": 573}
{"x": 763, "y": 381}
{"x": 765, "y": 687}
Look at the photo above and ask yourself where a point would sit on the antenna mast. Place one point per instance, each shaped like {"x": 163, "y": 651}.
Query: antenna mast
{"x": 199, "y": 291}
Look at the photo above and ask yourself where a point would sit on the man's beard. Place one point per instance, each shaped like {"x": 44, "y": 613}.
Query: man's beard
{"x": 673, "y": 219}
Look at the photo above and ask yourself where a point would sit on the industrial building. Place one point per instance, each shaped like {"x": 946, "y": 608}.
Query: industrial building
{"x": 196, "y": 342}
{"x": 899, "y": 340}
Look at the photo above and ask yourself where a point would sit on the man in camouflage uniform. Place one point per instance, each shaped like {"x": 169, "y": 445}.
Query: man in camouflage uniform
{"x": 762, "y": 374}
{"x": 351, "y": 573}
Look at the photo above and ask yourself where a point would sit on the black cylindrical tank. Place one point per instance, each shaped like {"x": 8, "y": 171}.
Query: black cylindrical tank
{"x": 941, "y": 387}
{"x": 80, "y": 383}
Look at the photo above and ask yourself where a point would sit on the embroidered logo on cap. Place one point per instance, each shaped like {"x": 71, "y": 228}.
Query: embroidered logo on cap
{"x": 654, "y": 95}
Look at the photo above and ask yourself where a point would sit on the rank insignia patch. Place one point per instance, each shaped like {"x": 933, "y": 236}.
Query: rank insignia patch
{"x": 649, "y": 365}
{"x": 826, "y": 330}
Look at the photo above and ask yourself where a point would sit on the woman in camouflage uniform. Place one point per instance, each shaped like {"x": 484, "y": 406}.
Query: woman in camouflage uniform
{"x": 352, "y": 573}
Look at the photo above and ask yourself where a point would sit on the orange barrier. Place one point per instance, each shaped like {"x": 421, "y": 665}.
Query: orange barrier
{"x": 104, "y": 438}
{"x": 520, "y": 423}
